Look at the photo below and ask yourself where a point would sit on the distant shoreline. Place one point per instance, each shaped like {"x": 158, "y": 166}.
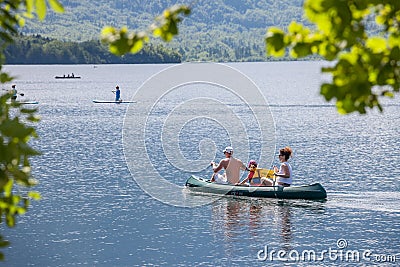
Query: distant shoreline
{"x": 160, "y": 63}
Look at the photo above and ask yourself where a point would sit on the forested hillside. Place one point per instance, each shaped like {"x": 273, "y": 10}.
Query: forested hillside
{"x": 39, "y": 50}
{"x": 219, "y": 30}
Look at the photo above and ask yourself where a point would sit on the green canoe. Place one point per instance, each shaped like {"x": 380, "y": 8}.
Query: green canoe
{"x": 312, "y": 191}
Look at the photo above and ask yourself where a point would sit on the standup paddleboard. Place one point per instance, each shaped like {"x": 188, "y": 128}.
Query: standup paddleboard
{"x": 29, "y": 102}
{"x": 26, "y": 102}
{"x": 112, "y": 102}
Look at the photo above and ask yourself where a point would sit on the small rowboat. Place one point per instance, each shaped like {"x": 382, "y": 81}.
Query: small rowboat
{"x": 67, "y": 77}
{"x": 313, "y": 191}
{"x": 112, "y": 102}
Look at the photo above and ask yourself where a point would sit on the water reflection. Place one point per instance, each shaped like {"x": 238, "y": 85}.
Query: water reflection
{"x": 256, "y": 222}
{"x": 283, "y": 213}
{"x": 255, "y": 218}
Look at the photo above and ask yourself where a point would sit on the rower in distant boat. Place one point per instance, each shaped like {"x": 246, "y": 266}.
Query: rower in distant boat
{"x": 68, "y": 76}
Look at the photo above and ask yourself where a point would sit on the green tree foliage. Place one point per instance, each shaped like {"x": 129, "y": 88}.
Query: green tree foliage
{"x": 361, "y": 37}
{"x": 39, "y": 50}
{"x": 121, "y": 41}
{"x": 15, "y": 170}
{"x": 15, "y": 133}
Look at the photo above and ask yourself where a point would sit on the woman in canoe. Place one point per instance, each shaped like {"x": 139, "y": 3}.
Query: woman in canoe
{"x": 284, "y": 174}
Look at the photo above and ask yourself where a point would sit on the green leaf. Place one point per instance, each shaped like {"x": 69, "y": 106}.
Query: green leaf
{"x": 21, "y": 22}
{"x": 41, "y": 9}
{"x": 10, "y": 220}
{"x": 137, "y": 46}
{"x": 107, "y": 31}
{"x": 8, "y": 187}
{"x": 377, "y": 44}
{"x": 352, "y": 58}
{"x": 28, "y": 110}
{"x": 388, "y": 94}
{"x": 4, "y": 77}
{"x": 301, "y": 50}
{"x": 275, "y": 44}
{"x": 394, "y": 40}
{"x": 345, "y": 106}
{"x": 328, "y": 91}
{"x": 29, "y": 6}
{"x": 166, "y": 25}
{"x": 34, "y": 195}
{"x": 395, "y": 54}
{"x": 56, "y": 6}
{"x": 294, "y": 27}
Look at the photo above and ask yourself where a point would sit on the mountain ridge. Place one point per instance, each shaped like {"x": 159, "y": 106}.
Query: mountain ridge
{"x": 220, "y": 30}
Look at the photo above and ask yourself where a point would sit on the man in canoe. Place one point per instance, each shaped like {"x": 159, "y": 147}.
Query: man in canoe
{"x": 232, "y": 168}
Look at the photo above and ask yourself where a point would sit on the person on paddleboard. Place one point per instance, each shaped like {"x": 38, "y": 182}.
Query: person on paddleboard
{"x": 117, "y": 94}
{"x": 284, "y": 174}
{"x": 232, "y": 168}
{"x": 14, "y": 93}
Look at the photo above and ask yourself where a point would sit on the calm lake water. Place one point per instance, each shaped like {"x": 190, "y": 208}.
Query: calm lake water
{"x": 93, "y": 213}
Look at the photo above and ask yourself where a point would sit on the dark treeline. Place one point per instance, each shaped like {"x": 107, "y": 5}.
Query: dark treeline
{"x": 39, "y": 50}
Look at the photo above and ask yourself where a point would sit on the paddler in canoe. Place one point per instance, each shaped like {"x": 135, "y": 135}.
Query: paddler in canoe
{"x": 232, "y": 168}
{"x": 284, "y": 173}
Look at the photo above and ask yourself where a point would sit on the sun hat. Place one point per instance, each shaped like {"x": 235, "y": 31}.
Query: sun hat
{"x": 228, "y": 149}
{"x": 252, "y": 162}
